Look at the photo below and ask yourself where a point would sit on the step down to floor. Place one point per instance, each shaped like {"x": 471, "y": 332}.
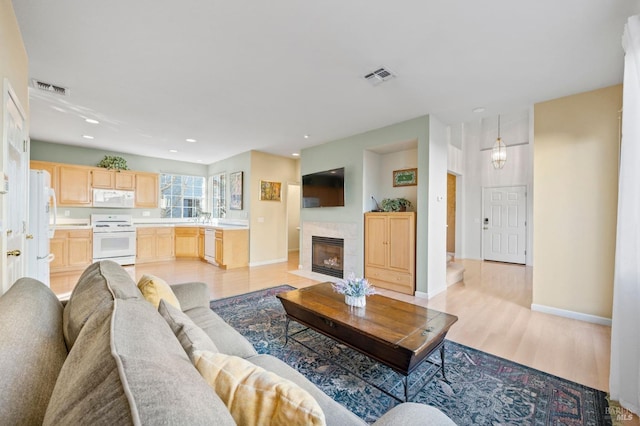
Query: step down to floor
{"x": 455, "y": 272}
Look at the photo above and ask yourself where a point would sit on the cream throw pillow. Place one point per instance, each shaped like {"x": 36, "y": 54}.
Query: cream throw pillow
{"x": 255, "y": 396}
{"x": 154, "y": 289}
{"x": 191, "y": 337}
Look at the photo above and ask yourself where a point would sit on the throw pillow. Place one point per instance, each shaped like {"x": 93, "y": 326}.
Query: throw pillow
{"x": 191, "y": 337}
{"x": 153, "y": 289}
{"x": 255, "y": 396}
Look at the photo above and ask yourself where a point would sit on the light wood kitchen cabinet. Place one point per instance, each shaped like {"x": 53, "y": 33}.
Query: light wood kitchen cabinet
{"x": 113, "y": 179}
{"x": 201, "y": 243}
{"x": 390, "y": 250}
{"x": 232, "y": 248}
{"x": 72, "y": 249}
{"x": 187, "y": 241}
{"x": 74, "y": 185}
{"x": 146, "y": 185}
{"x": 154, "y": 244}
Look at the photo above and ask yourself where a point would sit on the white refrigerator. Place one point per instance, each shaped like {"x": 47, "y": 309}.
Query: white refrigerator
{"x": 42, "y": 221}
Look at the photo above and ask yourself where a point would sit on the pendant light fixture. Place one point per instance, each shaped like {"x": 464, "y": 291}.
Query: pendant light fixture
{"x": 499, "y": 152}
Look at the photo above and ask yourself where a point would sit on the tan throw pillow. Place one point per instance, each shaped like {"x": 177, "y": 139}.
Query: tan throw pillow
{"x": 191, "y": 337}
{"x": 153, "y": 289}
{"x": 255, "y": 396}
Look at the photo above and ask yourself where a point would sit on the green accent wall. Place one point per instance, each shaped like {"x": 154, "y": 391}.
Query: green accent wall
{"x": 352, "y": 153}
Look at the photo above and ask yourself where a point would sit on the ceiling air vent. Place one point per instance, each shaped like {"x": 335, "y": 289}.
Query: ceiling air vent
{"x": 48, "y": 87}
{"x": 378, "y": 76}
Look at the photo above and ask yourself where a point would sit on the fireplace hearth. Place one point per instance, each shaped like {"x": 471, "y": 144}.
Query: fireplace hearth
{"x": 327, "y": 256}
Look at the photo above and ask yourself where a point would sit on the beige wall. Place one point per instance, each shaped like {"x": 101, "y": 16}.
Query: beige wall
{"x": 13, "y": 56}
{"x": 268, "y": 219}
{"x": 575, "y": 187}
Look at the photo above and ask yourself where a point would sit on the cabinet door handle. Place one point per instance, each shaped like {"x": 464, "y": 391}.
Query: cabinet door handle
{"x": 14, "y": 253}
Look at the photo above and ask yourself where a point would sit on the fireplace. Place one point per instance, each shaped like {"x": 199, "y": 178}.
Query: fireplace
{"x": 327, "y": 256}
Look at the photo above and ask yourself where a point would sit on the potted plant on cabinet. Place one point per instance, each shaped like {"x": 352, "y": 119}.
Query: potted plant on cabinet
{"x": 396, "y": 204}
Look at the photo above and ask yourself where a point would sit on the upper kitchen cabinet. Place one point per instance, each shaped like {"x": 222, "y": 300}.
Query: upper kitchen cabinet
{"x": 74, "y": 185}
{"x": 146, "y": 190}
{"x": 113, "y": 179}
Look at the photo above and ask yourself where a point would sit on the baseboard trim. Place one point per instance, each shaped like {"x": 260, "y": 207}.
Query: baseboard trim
{"x": 571, "y": 314}
{"x": 268, "y": 262}
{"x": 421, "y": 294}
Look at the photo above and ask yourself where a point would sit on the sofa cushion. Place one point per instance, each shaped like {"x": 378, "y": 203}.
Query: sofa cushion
{"x": 225, "y": 337}
{"x": 255, "y": 396}
{"x": 95, "y": 290}
{"x": 32, "y": 351}
{"x": 335, "y": 413}
{"x": 155, "y": 289}
{"x": 127, "y": 367}
{"x": 192, "y": 295}
{"x": 191, "y": 336}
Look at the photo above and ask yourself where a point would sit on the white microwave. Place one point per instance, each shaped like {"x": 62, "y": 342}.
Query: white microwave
{"x": 113, "y": 198}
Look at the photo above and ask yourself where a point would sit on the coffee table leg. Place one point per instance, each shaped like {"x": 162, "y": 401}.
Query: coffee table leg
{"x": 444, "y": 377}
{"x": 406, "y": 388}
{"x": 286, "y": 331}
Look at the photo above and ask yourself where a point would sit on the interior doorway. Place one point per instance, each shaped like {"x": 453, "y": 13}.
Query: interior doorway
{"x": 504, "y": 224}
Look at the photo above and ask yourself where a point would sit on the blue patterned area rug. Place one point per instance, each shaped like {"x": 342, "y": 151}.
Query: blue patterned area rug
{"x": 483, "y": 389}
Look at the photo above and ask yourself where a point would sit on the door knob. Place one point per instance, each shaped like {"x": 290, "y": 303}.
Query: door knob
{"x": 14, "y": 253}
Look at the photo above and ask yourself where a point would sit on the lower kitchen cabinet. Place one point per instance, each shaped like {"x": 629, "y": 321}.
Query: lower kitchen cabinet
{"x": 201, "y": 243}
{"x": 72, "y": 249}
{"x": 154, "y": 244}
{"x": 187, "y": 244}
{"x": 232, "y": 248}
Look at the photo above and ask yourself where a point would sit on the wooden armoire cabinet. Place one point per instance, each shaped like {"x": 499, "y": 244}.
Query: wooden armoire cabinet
{"x": 390, "y": 250}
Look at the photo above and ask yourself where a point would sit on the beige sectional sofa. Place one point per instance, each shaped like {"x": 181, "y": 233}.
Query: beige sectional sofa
{"x": 108, "y": 357}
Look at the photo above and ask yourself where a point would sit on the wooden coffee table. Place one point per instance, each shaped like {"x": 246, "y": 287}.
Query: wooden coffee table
{"x": 397, "y": 334}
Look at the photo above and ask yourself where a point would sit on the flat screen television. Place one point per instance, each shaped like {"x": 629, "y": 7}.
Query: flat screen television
{"x": 323, "y": 189}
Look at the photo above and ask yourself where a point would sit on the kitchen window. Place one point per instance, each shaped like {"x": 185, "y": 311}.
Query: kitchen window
{"x": 218, "y": 192}
{"x": 182, "y": 196}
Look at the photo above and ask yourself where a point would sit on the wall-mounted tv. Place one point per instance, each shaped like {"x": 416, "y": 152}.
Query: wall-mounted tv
{"x": 323, "y": 189}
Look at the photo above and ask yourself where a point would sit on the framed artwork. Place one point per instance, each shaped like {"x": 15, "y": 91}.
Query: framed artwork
{"x": 405, "y": 177}
{"x": 235, "y": 184}
{"x": 270, "y": 191}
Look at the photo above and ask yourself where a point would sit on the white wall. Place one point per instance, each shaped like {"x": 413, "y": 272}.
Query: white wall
{"x": 437, "y": 202}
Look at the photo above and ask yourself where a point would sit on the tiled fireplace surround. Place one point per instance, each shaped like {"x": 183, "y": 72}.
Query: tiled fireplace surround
{"x": 346, "y": 231}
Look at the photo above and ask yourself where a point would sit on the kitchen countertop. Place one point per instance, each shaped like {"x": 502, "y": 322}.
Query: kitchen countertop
{"x": 67, "y": 225}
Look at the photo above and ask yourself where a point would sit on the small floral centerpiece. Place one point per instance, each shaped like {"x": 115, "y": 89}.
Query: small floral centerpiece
{"x": 355, "y": 290}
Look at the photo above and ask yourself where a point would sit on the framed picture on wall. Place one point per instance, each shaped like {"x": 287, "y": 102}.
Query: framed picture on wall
{"x": 270, "y": 191}
{"x": 235, "y": 183}
{"x": 405, "y": 177}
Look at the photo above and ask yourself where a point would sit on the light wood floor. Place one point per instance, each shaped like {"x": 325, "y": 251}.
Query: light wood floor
{"x": 492, "y": 304}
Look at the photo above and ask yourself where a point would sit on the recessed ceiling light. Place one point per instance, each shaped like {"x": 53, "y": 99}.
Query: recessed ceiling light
{"x": 306, "y": 136}
{"x": 295, "y": 154}
{"x": 173, "y": 150}
{"x": 87, "y": 136}
{"x": 479, "y": 109}
{"x": 91, "y": 120}
{"x": 191, "y": 140}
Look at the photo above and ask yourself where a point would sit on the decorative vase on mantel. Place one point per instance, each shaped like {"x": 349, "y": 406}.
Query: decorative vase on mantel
{"x": 357, "y": 301}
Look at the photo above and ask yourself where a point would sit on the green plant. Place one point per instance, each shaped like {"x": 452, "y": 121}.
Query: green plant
{"x": 113, "y": 162}
{"x": 396, "y": 204}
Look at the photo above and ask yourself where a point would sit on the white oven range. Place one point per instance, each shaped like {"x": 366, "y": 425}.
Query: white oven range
{"x": 114, "y": 238}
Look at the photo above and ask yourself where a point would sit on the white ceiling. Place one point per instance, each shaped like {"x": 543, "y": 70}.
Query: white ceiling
{"x": 241, "y": 75}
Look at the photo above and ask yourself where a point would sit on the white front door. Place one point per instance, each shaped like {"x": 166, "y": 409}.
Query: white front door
{"x": 504, "y": 224}
{"x": 16, "y": 199}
